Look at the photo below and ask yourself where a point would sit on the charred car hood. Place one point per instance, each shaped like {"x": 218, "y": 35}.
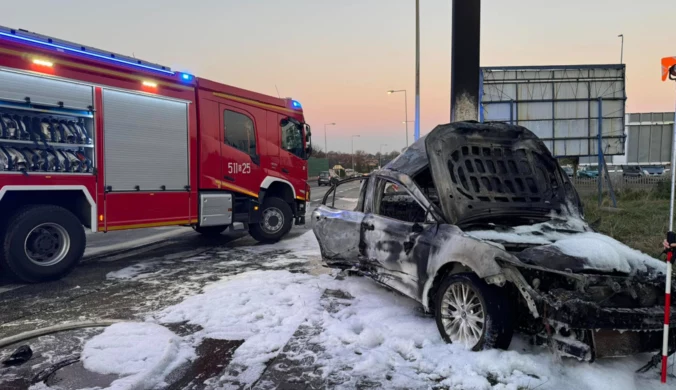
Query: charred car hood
{"x": 570, "y": 245}
{"x": 493, "y": 171}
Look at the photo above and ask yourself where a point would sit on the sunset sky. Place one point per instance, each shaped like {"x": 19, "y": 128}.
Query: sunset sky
{"x": 338, "y": 58}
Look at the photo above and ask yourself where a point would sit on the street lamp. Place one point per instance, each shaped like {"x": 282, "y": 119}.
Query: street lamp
{"x": 390, "y": 92}
{"x": 326, "y": 150}
{"x": 621, "y": 48}
{"x": 380, "y": 156}
{"x": 353, "y": 137}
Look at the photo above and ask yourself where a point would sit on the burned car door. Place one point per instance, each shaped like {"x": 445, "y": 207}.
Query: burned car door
{"x": 337, "y": 221}
{"x": 397, "y": 237}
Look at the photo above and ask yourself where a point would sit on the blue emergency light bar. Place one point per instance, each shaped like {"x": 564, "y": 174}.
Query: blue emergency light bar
{"x": 63, "y": 46}
{"x": 296, "y": 104}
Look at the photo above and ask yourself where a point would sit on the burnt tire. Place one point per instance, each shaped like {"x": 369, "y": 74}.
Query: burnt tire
{"x": 41, "y": 243}
{"x": 276, "y": 221}
{"x": 460, "y": 301}
{"x": 210, "y": 231}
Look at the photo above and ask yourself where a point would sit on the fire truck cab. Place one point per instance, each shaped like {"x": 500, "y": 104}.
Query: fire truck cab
{"x": 98, "y": 140}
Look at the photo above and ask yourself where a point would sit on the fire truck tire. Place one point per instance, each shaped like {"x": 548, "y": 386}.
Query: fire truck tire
{"x": 210, "y": 231}
{"x": 276, "y": 221}
{"x": 41, "y": 243}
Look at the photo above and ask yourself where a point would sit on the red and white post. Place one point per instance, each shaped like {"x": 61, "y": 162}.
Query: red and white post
{"x": 667, "y": 289}
{"x": 669, "y": 69}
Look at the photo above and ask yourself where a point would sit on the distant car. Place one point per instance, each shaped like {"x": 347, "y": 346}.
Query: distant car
{"x": 588, "y": 173}
{"x": 325, "y": 178}
{"x": 632, "y": 171}
{"x": 654, "y": 170}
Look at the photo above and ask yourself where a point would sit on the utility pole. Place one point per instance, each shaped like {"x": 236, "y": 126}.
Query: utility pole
{"x": 416, "y": 129}
{"x": 465, "y": 53}
{"x": 380, "y": 156}
{"x": 326, "y": 149}
{"x": 353, "y": 137}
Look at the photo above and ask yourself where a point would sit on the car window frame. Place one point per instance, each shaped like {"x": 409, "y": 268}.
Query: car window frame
{"x": 430, "y": 213}
{"x": 362, "y": 193}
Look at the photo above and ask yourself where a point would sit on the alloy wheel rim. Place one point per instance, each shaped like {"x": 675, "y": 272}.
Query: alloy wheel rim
{"x": 463, "y": 315}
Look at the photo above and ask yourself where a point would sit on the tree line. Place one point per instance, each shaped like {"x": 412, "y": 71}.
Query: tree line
{"x": 363, "y": 162}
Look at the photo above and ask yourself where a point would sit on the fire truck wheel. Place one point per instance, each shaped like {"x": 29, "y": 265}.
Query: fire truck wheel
{"x": 41, "y": 243}
{"x": 276, "y": 220}
{"x": 210, "y": 231}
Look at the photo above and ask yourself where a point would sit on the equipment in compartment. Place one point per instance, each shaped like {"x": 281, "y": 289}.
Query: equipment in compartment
{"x": 80, "y": 132}
{"x": 4, "y": 161}
{"x": 85, "y": 162}
{"x": 56, "y": 142}
{"x": 9, "y": 128}
{"x": 41, "y": 160}
{"x": 16, "y": 160}
{"x": 46, "y": 131}
{"x": 43, "y": 128}
{"x": 32, "y": 159}
{"x": 13, "y": 127}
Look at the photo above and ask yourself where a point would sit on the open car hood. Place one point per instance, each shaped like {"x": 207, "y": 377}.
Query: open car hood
{"x": 496, "y": 172}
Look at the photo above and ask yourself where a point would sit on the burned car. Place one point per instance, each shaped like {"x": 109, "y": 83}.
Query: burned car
{"x": 479, "y": 224}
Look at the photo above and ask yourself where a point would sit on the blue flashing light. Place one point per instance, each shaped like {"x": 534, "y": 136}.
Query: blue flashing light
{"x": 186, "y": 77}
{"x": 62, "y": 48}
{"x": 296, "y": 104}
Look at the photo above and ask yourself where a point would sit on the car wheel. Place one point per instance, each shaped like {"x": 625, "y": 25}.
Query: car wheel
{"x": 276, "y": 221}
{"x": 42, "y": 243}
{"x": 210, "y": 231}
{"x": 472, "y": 313}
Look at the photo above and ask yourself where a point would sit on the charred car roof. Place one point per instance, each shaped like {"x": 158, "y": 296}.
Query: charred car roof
{"x": 490, "y": 170}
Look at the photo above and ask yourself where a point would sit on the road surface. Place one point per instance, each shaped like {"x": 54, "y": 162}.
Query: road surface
{"x": 173, "y": 263}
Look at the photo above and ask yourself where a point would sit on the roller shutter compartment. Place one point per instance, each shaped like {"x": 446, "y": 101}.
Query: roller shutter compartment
{"x": 17, "y": 87}
{"x": 146, "y": 142}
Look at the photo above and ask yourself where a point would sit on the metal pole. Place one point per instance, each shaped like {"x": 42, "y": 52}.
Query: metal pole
{"x": 465, "y": 53}
{"x": 511, "y": 112}
{"x": 600, "y": 150}
{"x": 670, "y": 254}
{"x": 673, "y": 177}
{"x": 416, "y": 130}
{"x": 621, "y": 49}
{"x": 353, "y": 153}
{"x": 406, "y": 115}
{"x": 353, "y": 137}
{"x": 326, "y": 151}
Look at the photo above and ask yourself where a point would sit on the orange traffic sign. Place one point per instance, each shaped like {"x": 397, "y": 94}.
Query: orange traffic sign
{"x": 669, "y": 68}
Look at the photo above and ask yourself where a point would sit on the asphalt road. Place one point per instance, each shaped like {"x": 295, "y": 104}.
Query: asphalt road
{"x": 177, "y": 261}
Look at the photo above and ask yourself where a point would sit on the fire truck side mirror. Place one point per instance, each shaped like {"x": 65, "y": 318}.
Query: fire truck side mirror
{"x": 672, "y": 72}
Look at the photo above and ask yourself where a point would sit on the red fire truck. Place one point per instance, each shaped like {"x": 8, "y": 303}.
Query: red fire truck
{"x": 98, "y": 140}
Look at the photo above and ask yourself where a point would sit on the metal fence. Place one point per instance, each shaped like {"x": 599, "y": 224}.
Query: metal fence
{"x": 585, "y": 185}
